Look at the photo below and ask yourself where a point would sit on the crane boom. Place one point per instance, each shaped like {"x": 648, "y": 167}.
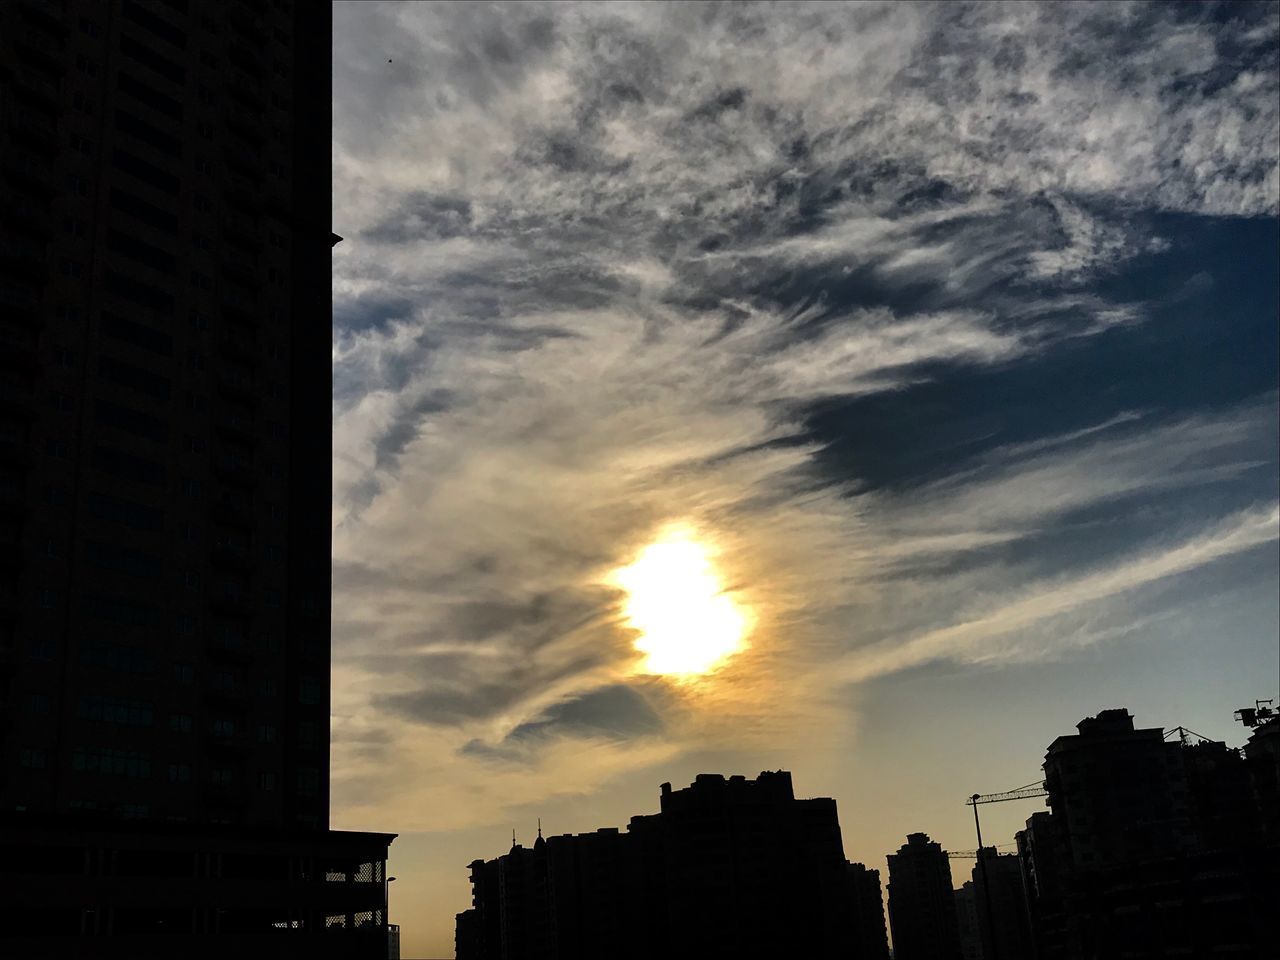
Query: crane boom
{"x": 1030, "y": 791}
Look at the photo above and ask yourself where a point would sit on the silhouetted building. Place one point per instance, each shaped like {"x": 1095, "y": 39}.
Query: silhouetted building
{"x": 1004, "y": 929}
{"x": 729, "y": 867}
{"x": 967, "y": 922}
{"x": 165, "y": 485}
{"x": 1154, "y": 848}
{"x": 1262, "y": 757}
{"x": 867, "y": 913}
{"x": 1121, "y": 793}
{"x": 922, "y": 910}
{"x": 1041, "y": 858}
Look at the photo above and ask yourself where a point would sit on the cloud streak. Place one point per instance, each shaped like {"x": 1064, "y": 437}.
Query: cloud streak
{"x": 609, "y": 265}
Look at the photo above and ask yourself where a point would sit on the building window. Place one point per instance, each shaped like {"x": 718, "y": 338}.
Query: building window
{"x": 129, "y": 713}
{"x": 36, "y": 703}
{"x": 31, "y": 758}
{"x": 224, "y": 682}
{"x": 267, "y": 687}
{"x": 180, "y": 722}
{"x": 309, "y": 690}
{"x": 222, "y": 776}
{"x": 308, "y": 781}
{"x": 267, "y": 733}
{"x": 179, "y": 773}
{"x": 267, "y": 782}
{"x": 183, "y": 673}
{"x": 224, "y": 728}
{"x": 109, "y": 762}
{"x": 308, "y": 734}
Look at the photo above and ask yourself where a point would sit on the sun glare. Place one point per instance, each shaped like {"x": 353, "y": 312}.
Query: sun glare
{"x": 688, "y": 625}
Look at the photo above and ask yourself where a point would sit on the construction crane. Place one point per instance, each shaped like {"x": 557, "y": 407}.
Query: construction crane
{"x": 1027, "y": 792}
{"x": 973, "y": 854}
{"x": 1257, "y": 714}
{"x": 1183, "y": 735}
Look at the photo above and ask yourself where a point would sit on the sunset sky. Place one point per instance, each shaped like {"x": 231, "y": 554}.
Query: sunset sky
{"x": 905, "y": 376}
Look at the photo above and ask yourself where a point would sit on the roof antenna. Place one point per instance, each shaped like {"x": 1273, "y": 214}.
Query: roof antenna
{"x": 513, "y": 836}
{"x": 539, "y": 828}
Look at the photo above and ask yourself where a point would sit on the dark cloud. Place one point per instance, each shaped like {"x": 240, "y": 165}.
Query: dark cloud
{"x": 616, "y": 712}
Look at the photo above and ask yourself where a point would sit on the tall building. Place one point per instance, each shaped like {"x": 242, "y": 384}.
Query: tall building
{"x": 1154, "y": 847}
{"x": 165, "y": 482}
{"x": 1004, "y": 929}
{"x": 967, "y": 919}
{"x": 866, "y": 913}
{"x": 729, "y": 867}
{"x": 1121, "y": 793}
{"x": 922, "y": 911}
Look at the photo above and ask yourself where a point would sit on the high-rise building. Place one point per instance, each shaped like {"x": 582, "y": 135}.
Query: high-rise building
{"x": 866, "y": 913}
{"x": 922, "y": 910}
{"x": 967, "y": 919}
{"x": 1155, "y": 847}
{"x": 1004, "y": 929}
{"x": 165, "y": 446}
{"x": 729, "y": 867}
{"x": 1121, "y": 793}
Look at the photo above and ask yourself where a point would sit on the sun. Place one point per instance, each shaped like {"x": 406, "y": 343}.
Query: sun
{"x": 688, "y": 624}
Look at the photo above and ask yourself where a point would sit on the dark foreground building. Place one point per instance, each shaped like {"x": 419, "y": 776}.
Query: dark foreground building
{"x": 922, "y": 909}
{"x": 1154, "y": 847}
{"x": 999, "y": 907}
{"x": 165, "y": 486}
{"x": 730, "y": 868}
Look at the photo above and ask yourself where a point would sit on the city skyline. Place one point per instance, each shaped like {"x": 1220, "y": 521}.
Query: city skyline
{"x": 932, "y": 349}
{"x": 1154, "y": 840}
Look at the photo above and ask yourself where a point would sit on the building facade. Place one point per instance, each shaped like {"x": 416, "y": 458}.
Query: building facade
{"x": 922, "y": 911}
{"x": 729, "y": 867}
{"x": 165, "y": 446}
{"x": 866, "y": 900}
{"x": 1000, "y": 906}
{"x": 967, "y": 919}
{"x": 1155, "y": 846}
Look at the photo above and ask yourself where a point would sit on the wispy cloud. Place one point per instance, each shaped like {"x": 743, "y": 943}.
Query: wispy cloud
{"x": 606, "y": 264}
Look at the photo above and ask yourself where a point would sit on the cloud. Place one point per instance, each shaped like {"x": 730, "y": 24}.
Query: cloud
{"x": 978, "y": 640}
{"x": 608, "y": 264}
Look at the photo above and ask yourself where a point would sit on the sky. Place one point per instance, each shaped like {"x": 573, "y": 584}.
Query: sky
{"x": 945, "y": 335}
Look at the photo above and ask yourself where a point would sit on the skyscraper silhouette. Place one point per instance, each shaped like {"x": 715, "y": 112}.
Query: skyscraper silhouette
{"x": 922, "y": 911}
{"x": 165, "y": 485}
{"x": 1155, "y": 846}
{"x": 730, "y": 867}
